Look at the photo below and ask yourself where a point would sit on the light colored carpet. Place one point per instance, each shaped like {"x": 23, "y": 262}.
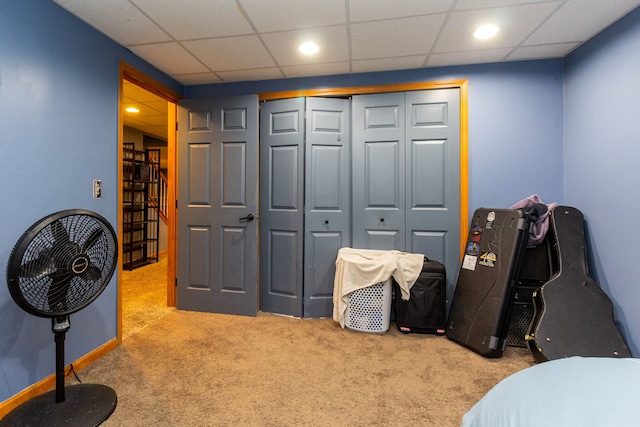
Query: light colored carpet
{"x": 144, "y": 296}
{"x": 180, "y": 368}
{"x": 197, "y": 369}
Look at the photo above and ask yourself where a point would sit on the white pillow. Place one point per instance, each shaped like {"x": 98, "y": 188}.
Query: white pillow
{"x": 576, "y": 391}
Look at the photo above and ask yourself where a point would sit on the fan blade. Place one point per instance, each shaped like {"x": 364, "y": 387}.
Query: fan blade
{"x": 38, "y": 267}
{"x": 57, "y": 294}
{"x": 92, "y": 273}
{"x": 92, "y": 239}
{"x": 59, "y": 232}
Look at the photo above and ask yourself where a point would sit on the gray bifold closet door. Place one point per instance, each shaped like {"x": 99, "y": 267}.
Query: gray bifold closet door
{"x": 406, "y": 174}
{"x": 304, "y": 202}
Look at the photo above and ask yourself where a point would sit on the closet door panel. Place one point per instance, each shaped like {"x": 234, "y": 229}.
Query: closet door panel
{"x": 378, "y": 171}
{"x": 327, "y": 225}
{"x": 433, "y": 177}
{"x": 281, "y": 206}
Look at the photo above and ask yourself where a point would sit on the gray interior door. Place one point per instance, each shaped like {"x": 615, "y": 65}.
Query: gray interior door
{"x": 406, "y": 174}
{"x": 281, "y": 206}
{"x": 432, "y": 209}
{"x": 378, "y": 171}
{"x": 218, "y": 205}
{"x": 327, "y": 223}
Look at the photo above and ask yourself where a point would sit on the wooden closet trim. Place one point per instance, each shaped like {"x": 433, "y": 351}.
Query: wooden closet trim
{"x": 463, "y": 85}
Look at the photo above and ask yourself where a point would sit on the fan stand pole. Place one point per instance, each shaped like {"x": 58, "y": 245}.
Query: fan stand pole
{"x": 59, "y": 338}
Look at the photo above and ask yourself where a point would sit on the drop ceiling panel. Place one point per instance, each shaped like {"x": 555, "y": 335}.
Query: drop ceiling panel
{"x": 231, "y": 53}
{"x": 316, "y": 69}
{"x": 118, "y": 19}
{"x": 196, "y": 19}
{"x": 372, "y": 10}
{"x": 515, "y": 23}
{"x": 486, "y": 4}
{"x": 161, "y": 106}
{"x": 398, "y": 63}
{"x": 254, "y": 74}
{"x": 137, "y": 93}
{"x": 470, "y": 57}
{"x": 546, "y": 50}
{"x": 394, "y": 37}
{"x": 283, "y": 15}
{"x": 284, "y": 45}
{"x": 171, "y": 57}
{"x": 574, "y": 22}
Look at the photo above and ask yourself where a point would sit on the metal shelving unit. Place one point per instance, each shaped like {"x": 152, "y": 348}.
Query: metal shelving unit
{"x": 140, "y": 217}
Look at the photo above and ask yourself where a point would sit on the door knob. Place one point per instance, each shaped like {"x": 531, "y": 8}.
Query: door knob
{"x": 247, "y": 218}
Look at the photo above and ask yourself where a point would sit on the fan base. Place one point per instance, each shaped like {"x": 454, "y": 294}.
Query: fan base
{"x": 84, "y": 405}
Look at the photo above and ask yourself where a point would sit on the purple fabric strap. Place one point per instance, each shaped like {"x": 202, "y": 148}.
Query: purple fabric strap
{"x": 541, "y": 225}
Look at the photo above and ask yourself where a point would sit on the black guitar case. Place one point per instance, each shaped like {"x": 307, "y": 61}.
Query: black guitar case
{"x": 539, "y": 265}
{"x": 572, "y": 315}
{"x": 480, "y": 309}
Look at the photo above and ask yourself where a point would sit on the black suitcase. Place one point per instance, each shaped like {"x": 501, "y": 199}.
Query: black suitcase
{"x": 425, "y": 311}
{"x": 481, "y": 304}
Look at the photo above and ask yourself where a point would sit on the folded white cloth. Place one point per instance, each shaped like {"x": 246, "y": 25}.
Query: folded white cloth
{"x": 359, "y": 268}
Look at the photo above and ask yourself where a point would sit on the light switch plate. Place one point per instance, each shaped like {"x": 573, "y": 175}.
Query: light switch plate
{"x": 97, "y": 189}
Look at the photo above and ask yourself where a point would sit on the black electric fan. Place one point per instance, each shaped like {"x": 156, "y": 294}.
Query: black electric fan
{"x": 59, "y": 266}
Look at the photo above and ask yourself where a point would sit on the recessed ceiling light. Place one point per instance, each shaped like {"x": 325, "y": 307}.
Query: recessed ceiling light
{"x": 309, "y": 48}
{"x": 486, "y": 32}
{"x": 131, "y": 110}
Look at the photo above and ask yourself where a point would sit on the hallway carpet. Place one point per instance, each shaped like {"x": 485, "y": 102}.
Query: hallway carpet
{"x": 144, "y": 296}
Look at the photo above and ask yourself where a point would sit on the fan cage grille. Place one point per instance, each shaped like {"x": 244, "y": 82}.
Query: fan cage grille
{"x": 66, "y": 264}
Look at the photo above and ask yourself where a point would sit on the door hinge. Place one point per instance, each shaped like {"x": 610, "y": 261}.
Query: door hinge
{"x": 176, "y": 282}
{"x": 176, "y": 125}
{"x": 176, "y": 204}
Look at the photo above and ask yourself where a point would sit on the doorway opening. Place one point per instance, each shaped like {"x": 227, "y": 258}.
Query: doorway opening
{"x": 146, "y": 267}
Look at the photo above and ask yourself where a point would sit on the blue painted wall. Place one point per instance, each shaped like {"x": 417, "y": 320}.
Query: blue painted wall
{"x": 58, "y": 132}
{"x": 601, "y": 152}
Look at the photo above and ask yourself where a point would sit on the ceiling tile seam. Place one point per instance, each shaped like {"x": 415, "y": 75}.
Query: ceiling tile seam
{"x": 198, "y": 60}
{"x": 347, "y": 10}
{"x": 533, "y": 31}
{"x": 160, "y": 27}
{"x": 198, "y": 39}
{"x": 387, "y": 57}
{"x": 245, "y": 15}
{"x": 443, "y": 25}
{"x": 173, "y": 39}
{"x": 416, "y": 15}
{"x": 507, "y": 6}
{"x": 255, "y": 33}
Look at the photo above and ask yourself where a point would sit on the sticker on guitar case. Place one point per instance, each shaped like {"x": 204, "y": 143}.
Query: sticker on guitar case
{"x": 488, "y": 259}
{"x": 476, "y": 234}
{"x": 469, "y": 262}
{"x": 491, "y": 216}
{"x": 472, "y": 249}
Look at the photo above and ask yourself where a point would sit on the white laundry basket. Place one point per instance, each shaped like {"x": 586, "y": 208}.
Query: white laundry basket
{"x": 369, "y": 309}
